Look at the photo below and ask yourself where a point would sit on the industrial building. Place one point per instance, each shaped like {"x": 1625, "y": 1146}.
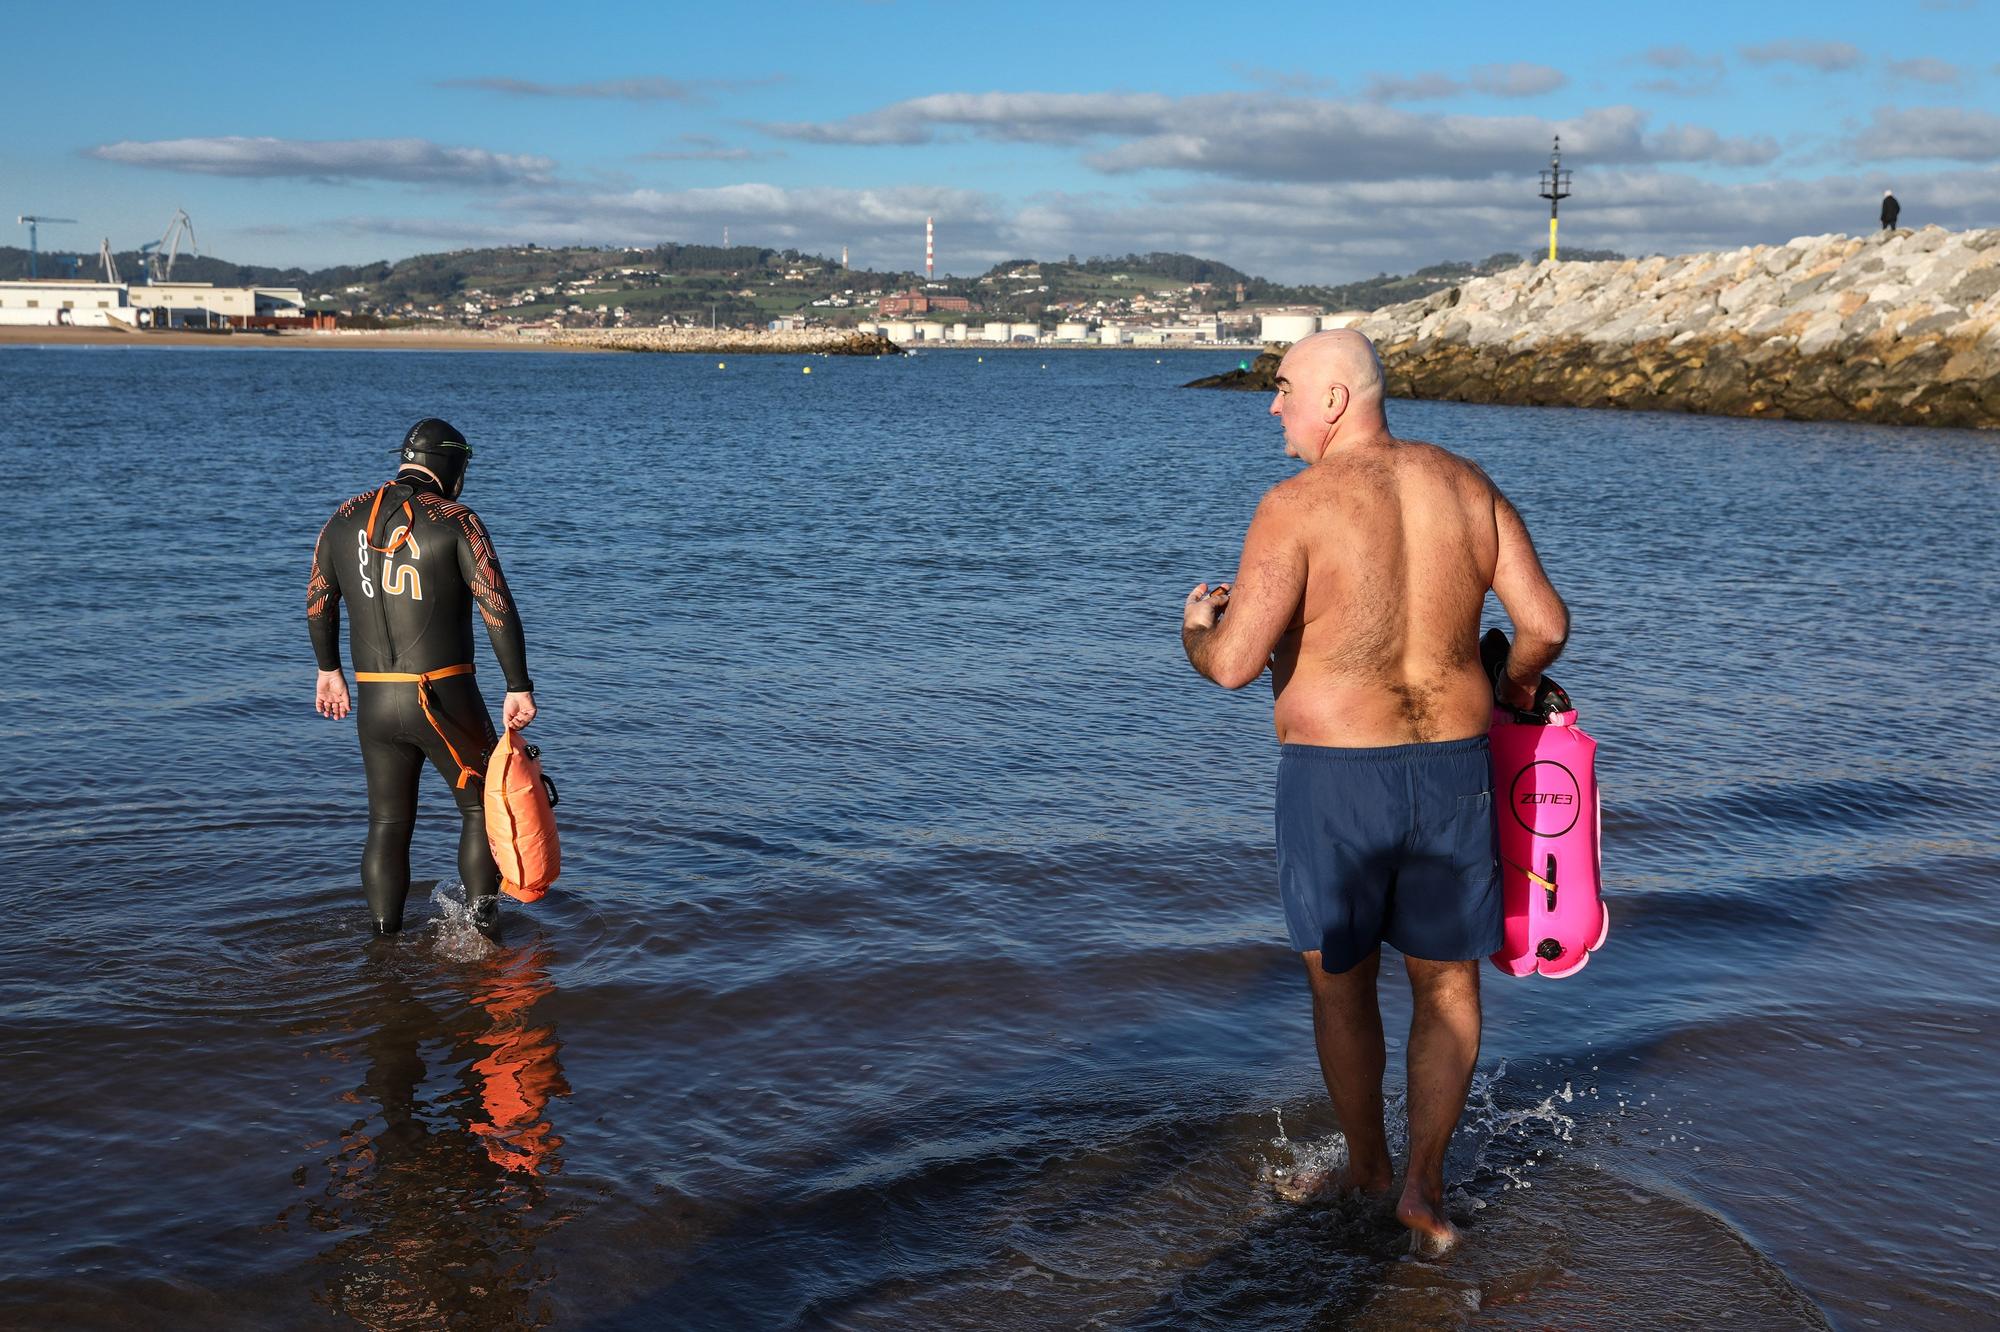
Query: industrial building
{"x": 51, "y": 301}
{"x": 1286, "y": 327}
{"x": 54, "y": 303}
{"x": 916, "y": 302}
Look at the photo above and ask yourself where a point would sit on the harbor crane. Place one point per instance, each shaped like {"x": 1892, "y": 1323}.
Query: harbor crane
{"x": 110, "y": 264}
{"x": 30, "y": 221}
{"x": 162, "y": 270}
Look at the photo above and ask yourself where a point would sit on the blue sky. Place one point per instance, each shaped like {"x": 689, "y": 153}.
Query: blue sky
{"x": 1305, "y": 142}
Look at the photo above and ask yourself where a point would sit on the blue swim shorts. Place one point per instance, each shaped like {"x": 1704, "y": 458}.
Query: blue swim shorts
{"x": 1390, "y": 845}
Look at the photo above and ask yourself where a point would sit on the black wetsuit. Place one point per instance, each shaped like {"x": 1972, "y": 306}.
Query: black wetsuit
{"x": 412, "y": 614}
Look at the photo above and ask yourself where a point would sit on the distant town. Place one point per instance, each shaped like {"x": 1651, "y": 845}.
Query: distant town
{"x": 1159, "y": 299}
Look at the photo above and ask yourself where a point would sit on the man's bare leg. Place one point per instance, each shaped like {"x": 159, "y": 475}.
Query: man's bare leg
{"x": 1444, "y": 1046}
{"x": 1347, "y": 1028}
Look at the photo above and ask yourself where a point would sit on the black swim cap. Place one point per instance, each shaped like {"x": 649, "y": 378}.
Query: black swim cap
{"x": 437, "y": 445}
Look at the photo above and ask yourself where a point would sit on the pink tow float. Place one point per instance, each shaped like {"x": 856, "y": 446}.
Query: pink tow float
{"x": 1550, "y": 826}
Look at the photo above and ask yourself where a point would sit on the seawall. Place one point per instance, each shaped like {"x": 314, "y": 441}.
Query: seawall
{"x": 833, "y": 342}
{"x": 1898, "y": 327}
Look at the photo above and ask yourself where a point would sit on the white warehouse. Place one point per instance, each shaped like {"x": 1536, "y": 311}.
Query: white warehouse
{"x": 53, "y": 303}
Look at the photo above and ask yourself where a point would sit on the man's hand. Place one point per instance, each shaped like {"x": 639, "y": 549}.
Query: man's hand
{"x": 517, "y": 711}
{"x": 330, "y": 696}
{"x": 1204, "y": 606}
{"x": 1519, "y": 697}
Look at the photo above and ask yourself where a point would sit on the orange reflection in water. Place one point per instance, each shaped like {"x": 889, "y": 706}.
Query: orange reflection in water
{"x": 519, "y": 1073}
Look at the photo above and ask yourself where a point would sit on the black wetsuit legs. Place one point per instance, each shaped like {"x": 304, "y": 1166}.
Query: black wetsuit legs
{"x": 396, "y": 739}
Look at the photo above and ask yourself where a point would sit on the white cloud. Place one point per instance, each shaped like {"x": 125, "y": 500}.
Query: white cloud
{"x": 1947, "y": 132}
{"x": 1299, "y": 232}
{"x": 1677, "y": 56}
{"x": 1519, "y": 79}
{"x": 1254, "y": 137}
{"x": 707, "y": 148}
{"x": 1429, "y": 87}
{"x": 639, "y": 88}
{"x": 882, "y": 226}
{"x": 1314, "y": 141}
{"x": 1012, "y": 117}
{"x": 1688, "y": 74}
{"x": 1925, "y": 69}
{"x": 1826, "y": 57}
{"x": 414, "y": 160}
{"x": 643, "y": 89}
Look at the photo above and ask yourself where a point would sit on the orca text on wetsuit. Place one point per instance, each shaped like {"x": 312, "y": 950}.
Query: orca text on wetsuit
{"x": 411, "y": 564}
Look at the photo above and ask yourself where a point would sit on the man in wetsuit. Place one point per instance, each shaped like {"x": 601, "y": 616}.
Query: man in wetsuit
{"x": 410, "y": 561}
{"x": 1360, "y": 587}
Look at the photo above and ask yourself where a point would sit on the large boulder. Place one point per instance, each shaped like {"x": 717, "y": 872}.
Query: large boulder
{"x": 1260, "y": 376}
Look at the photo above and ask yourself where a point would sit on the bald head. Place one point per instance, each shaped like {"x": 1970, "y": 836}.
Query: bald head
{"x": 1338, "y": 356}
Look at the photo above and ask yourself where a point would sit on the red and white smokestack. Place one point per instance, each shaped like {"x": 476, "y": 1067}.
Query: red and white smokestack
{"x": 930, "y": 251}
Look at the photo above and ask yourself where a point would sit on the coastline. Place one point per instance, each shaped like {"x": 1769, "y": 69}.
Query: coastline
{"x": 343, "y": 340}
{"x": 724, "y": 341}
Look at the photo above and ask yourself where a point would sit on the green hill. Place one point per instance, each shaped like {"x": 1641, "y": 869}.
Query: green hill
{"x": 745, "y": 285}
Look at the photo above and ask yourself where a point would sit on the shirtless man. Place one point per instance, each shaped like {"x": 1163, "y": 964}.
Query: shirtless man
{"x": 1360, "y": 586}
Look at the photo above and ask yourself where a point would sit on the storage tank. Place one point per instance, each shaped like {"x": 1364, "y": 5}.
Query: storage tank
{"x": 930, "y": 330}
{"x": 1031, "y": 332}
{"x": 1287, "y": 327}
{"x": 994, "y": 333}
{"x": 1345, "y": 319}
{"x": 900, "y": 330}
{"x": 1110, "y": 335}
{"x": 956, "y": 332}
{"x": 1071, "y": 332}
{"x": 868, "y": 326}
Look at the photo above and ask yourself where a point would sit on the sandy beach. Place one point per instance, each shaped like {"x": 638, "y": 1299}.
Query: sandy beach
{"x": 341, "y": 340}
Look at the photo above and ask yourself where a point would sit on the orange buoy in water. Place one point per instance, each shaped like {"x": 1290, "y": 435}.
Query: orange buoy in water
{"x": 521, "y": 819}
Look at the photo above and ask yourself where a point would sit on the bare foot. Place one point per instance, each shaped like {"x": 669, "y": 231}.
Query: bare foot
{"x": 1310, "y": 1183}
{"x": 1432, "y": 1235}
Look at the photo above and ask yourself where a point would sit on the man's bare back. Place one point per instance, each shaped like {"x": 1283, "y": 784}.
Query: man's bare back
{"x": 1399, "y": 543}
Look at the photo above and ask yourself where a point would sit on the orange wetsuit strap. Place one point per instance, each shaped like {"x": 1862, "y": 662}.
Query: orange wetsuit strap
{"x": 465, "y": 772}
{"x": 422, "y": 680}
{"x": 412, "y": 677}
{"x": 409, "y": 521}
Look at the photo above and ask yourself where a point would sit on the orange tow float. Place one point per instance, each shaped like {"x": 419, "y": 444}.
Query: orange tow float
{"x": 521, "y": 820}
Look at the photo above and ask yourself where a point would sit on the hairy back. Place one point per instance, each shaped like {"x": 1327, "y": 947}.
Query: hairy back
{"x": 1400, "y": 544}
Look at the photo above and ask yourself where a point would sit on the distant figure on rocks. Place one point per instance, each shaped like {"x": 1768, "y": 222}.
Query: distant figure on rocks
{"x": 1891, "y": 210}
{"x": 1360, "y": 588}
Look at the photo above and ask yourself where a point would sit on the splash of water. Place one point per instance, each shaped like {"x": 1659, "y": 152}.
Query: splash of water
{"x": 1506, "y": 1142}
{"x": 451, "y": 932}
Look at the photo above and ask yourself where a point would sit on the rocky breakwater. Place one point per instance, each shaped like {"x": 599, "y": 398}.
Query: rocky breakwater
{"x": 742, "y": 342}
{"x": 1900, "y": 327}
